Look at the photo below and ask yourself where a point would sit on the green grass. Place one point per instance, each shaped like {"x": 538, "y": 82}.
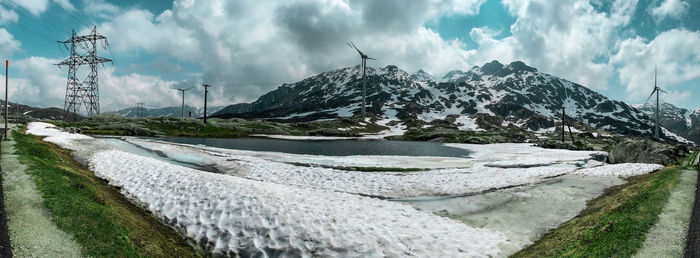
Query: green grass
{"x": 219, "y": 128}
{"x": 613, "y": 225}
{"x": 98, "y": 217}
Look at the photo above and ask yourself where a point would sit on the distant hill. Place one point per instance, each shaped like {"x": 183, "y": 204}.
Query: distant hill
{"x": 52, "y": 113}
{"x": 168, "y": 111}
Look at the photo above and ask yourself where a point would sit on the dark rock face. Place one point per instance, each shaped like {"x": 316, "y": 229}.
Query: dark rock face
{"x": 491, "y": 68}
{"x": 645, "y": 151}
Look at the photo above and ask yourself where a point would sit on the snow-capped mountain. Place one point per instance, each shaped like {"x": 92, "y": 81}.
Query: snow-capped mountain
{"x": 423, "y": 76}
{"x": 683, "y": 122}
{"x": 169, "y": 111}
{"x": 516, "y": 92}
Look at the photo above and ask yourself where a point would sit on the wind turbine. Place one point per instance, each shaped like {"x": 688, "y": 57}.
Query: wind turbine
{"x": 364, "y": 81}
{"x": 183, "y": 99}
{"x": 656, "y": 90}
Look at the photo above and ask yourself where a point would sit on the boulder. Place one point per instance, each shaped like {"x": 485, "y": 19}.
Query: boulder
{"x": 646, "y": 151}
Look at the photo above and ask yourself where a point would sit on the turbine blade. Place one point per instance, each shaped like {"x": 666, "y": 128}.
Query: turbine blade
{"x": 652, "y": 94}
{"x": 353, "y": 46}
{"x": 663, "y": 91}
{"x": 371, "y": 58}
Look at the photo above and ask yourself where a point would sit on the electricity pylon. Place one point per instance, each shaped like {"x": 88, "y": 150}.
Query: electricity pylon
{"x": 83, "y": 92}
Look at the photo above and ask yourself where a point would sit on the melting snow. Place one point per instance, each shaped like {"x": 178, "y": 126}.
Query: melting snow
{"x": 235, "y": 216}
{"x": 303, "y": 211}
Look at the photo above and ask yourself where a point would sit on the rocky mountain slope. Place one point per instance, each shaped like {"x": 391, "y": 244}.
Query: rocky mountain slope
{"x": 168, "y": 111}
{"x": 518, "y": 93}
{"x": 683, "y": 122}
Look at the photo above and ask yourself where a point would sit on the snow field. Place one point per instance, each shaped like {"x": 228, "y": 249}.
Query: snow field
{"x": 288, "y": 210}
{"x": 235, "y": 216}
{"x": 440, "y": 182}
{"x": 55, "y": 135}
{"x": 620, "y": 170}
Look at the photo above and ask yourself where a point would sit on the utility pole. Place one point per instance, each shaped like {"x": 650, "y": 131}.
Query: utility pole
{"x": 563, "y": 121}
{"x": 78, "y": 91}
{"x": 206, "y": 91}
{"x": 7, "y": 67}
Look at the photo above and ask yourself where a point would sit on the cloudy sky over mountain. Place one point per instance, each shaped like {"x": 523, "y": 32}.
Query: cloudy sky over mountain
{"x": 608, "y": 46}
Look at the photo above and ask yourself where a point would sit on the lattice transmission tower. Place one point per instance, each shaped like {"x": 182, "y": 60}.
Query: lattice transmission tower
{"x": 140, "y": 110}
{"x": 83, "y": 92}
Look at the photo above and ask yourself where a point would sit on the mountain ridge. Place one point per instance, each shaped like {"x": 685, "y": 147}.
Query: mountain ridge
{"x": 517, "y": 92}
{"x": 175, "y": 111}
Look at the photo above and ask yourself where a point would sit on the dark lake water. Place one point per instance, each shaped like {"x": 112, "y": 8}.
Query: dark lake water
{"x": 328, "y": 147}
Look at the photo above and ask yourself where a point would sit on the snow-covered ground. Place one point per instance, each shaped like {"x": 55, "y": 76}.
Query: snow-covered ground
{"x": 262, "y": 203}
{"x": 233, "y": 215}
{"x": 489, "y": 167}
{"x": 56, "y": 136}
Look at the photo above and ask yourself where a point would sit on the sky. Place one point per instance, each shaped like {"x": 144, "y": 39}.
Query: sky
{"x": 608, "y": 46}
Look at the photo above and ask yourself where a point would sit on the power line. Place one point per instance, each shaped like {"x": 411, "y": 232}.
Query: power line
{"x": 30, "y": 16}
{"x": 249, "y": 83}
{"x": 77, "y": 18}
{"x": 40, "y": 16}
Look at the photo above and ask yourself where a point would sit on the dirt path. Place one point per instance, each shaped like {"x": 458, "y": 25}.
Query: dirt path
{"x": 692, "y": 248}
{"x": 31, "y": 230}
{"x": 5, "y": 245}
{"x": 668, "y": 237}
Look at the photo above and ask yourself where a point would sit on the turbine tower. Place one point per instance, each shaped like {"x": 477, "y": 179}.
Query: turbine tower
{"x": 364, "y": 81}
{"x": 656, "y": 90}
{"x": 182, "y": 115}
{"x": 206, "y": 91}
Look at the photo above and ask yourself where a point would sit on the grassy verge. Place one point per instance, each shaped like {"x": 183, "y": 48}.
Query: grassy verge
{"x": 613, "y": 225}
{"x": 99, "y": 218}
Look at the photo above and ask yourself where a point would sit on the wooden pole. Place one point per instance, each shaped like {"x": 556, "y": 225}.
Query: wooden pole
{"x": 7, "y": 65}
{"x": 563, "y": 120}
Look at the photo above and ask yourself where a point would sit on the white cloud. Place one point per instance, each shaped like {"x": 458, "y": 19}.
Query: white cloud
{"x": 670, "y": 9}
{"x": 36, "y": 7}
{"x": 564, "y": 38}
{"x": 36, "y": 81}
{"x": 674, "y": 51}
{"x": 677, "y": 98}
{"x": 125, "y": 91}
{"x": 285, "y": 41}
{"x": 8, "y": 44}
{"x": 65, "y": 4}
{"x": 39, "y": 82}
{"x": 8, "y": 16}
{"x": 100, "y": 8}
